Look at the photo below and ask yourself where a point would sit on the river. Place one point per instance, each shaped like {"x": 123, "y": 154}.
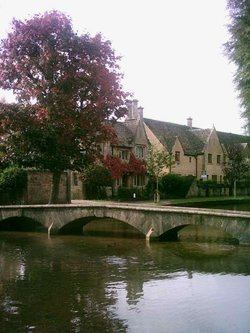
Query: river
{"x": 112, "y": 284}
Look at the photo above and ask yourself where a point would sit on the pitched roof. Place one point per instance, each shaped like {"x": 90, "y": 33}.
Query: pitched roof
{"x": 202, "y": 134}
{"x": 168, "y": 132}
{"x": 193, "y": 140}
{"x": 229, "y": 138}
{"x": 131, "y": 124}
{"x": 124, "y": 134}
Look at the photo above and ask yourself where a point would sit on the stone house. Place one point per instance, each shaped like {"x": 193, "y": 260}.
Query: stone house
{"x": 131, "y": 139}
{"x": 194, "y": 151}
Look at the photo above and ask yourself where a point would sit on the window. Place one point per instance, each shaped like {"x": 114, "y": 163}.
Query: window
{"x": 214, "y": 178}
{"x": 218, "y": 159}
{"x": 139, "y": 180}
{"x": 123, "y": 154}
{"x": 210, "y": 158}
{"x": 139, "y": 152}
{"x": 190, "y": 159}
{"x": 177, "y": 157}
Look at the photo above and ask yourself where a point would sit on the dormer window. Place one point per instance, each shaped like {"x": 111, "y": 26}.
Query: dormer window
{"x": 140, "y": 152}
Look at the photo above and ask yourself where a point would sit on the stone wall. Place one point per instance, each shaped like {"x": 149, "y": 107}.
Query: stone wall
{"x": 195, "y": 191}
{"x": 39, "y": 187}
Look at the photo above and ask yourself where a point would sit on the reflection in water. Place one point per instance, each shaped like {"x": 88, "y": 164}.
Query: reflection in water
{"x": 90, "y": 284}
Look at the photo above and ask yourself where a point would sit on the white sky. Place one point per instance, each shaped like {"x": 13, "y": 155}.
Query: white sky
{"x": 172, "y": 53}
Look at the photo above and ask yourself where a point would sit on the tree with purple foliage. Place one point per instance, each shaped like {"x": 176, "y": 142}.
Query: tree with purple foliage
{"x": 68, "y": 91}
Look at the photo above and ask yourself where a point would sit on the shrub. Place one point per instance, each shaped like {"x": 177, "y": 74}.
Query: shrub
{"x": 151, "y": 189}
{"x": 13, "y": 179}
{"x": 95, "y": 192}
{"x": 98, "y": 175}
{"x": 97, "y": 178}
{"x": 207, "y": 184}
{"x": 125, "y": 193}
{"x": 175, "y": 186}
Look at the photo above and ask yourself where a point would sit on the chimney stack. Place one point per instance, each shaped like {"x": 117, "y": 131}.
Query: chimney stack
{"x": 140, "y": 113}
{"x": 130, "y": 108}
{"x": 190, "y": 122}
{"x": 133, "y": 110}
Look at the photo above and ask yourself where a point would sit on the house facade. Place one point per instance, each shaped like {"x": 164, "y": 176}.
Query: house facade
{"x": 131, "y": 140}
{"x": 201, "y": 153}
{"x": 198, "y": 152}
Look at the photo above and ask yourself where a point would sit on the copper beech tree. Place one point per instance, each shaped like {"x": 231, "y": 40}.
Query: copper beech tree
{"x": 68, "y": 92}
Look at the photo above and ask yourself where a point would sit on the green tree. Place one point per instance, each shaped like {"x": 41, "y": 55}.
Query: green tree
{"x": 68, "y": 91}
{"x": 237, "y": 167}
{"x": 238, "y": 51}
{"x": 97, "y": 177}
{"x": 157, "y": 160}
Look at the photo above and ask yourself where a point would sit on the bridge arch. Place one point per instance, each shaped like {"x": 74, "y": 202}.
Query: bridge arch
{"x": 93, "y": 225}
{"x": 21, "y": 223}
{"x": 198, "y": 232}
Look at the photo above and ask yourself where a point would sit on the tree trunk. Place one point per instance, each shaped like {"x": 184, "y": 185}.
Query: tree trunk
{"x": 235, "y": 188}
{"x": 68, "y": 187}
{"x": 54, "y": 194}
{"x": 157, "y": 193}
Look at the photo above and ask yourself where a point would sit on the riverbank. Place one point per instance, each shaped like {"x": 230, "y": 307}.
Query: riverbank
{"x": 179, "y": 202}
{"x": 211, "y": 200}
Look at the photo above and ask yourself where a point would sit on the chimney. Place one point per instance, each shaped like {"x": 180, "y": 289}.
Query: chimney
{"x": 140, "y": 113}
{"x": 135, "y": 108}
{"x": 130, "y": 109}
{"x": 134, "y": 112}
{"x": 190, "y": 122}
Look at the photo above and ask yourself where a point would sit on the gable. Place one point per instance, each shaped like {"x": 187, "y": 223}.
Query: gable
{"x": 177, "y": 146}
{"x": 140, "y": 134}
{"x": 213, "y": 143}
{"x": 167, "y": 133}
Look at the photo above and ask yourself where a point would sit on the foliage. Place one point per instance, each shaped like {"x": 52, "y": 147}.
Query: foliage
{"x": 98, "y": 175}
{"x": 94, "y": 192}
{"x": 13, "y": 179}
{"x": 68, "y": 89}
{"x": 125, "y": 193}
{"x": 175, "y": 186}
{"x": 118, "y": 167}
{"x": 238, "y": 50}
{"x": 237, "y": 167}
{"x": 150, "y": 188}
{"x": 136, "y": 166}
{"x": 115, "y": 166}
{"x": 157, "y": 161}
{"x": 97, "y": 178}
{"x": 206, "y": 184}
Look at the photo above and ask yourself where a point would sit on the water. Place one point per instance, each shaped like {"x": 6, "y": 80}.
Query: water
{"x": 96, "y": 284}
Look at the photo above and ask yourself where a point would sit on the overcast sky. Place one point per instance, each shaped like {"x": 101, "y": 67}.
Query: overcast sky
{"x": 172, "y": 53}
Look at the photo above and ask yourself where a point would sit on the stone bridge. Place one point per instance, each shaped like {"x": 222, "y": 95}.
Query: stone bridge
{"x": 145, "y": 218}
